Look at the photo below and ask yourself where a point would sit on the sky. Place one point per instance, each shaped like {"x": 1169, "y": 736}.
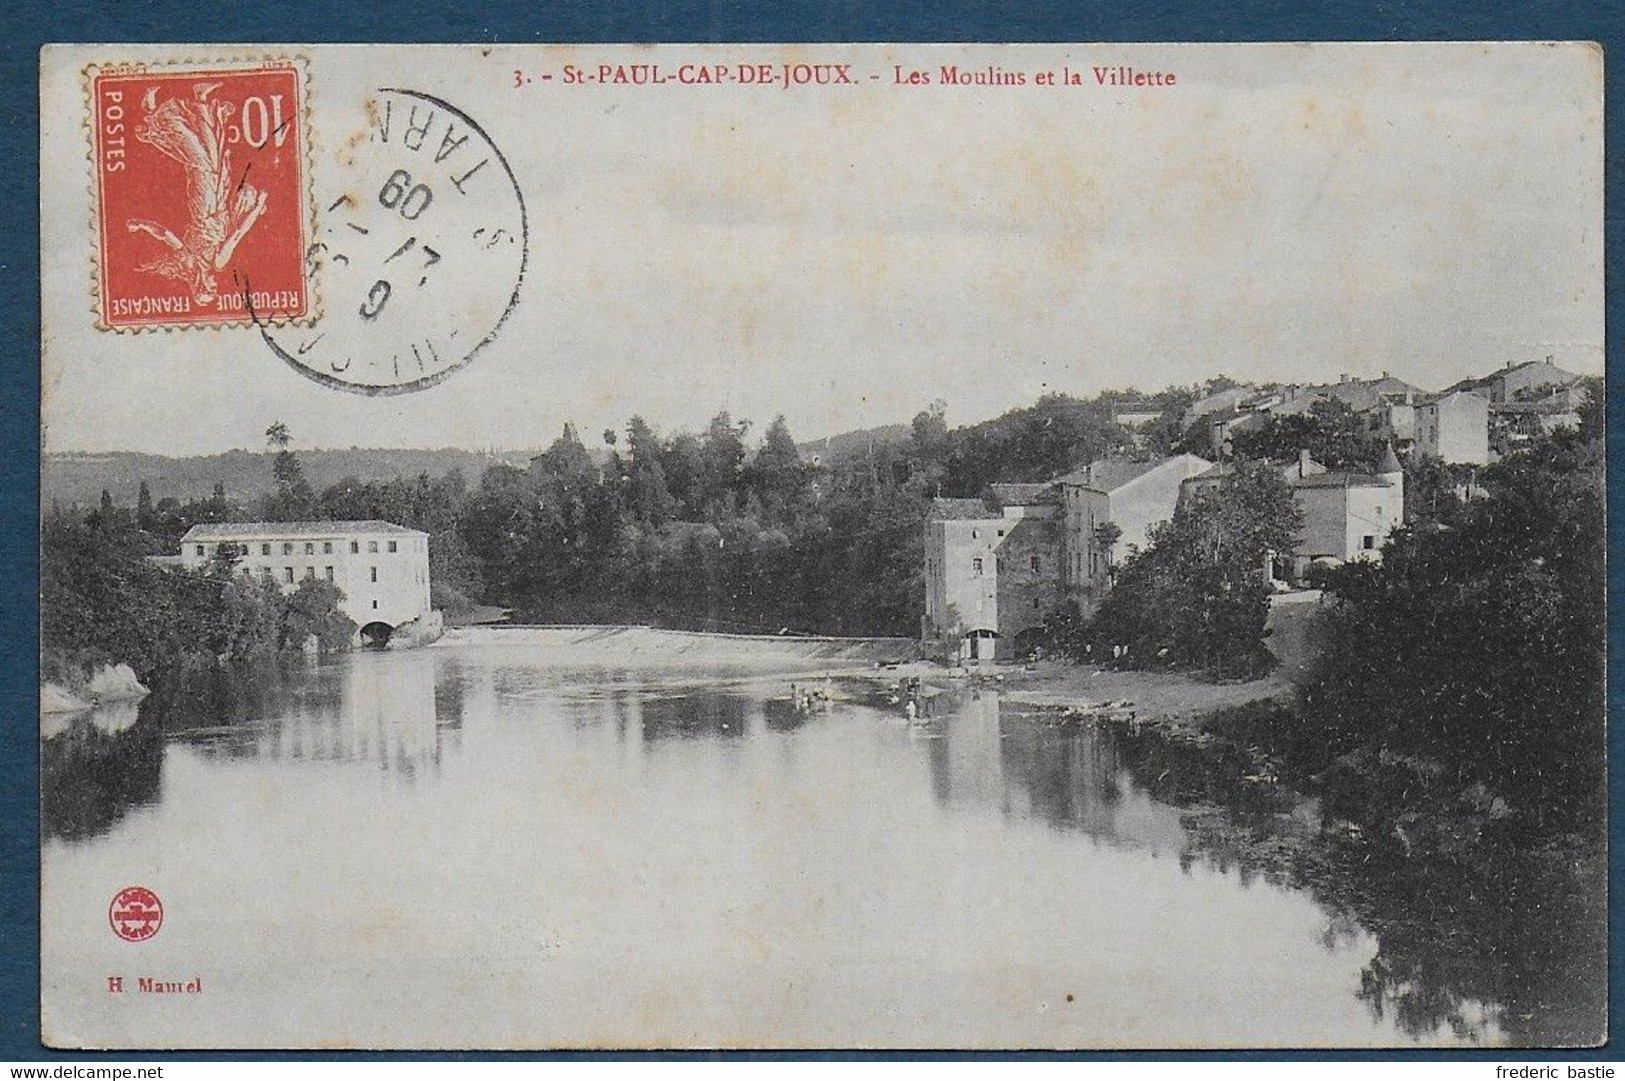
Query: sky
{"x": 846, "y": 255}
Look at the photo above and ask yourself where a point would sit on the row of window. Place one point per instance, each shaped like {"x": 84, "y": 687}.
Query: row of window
{"x": 1033, "y": 562}
{"x": 310, "y": 548}
{"x": 310, "y": 573}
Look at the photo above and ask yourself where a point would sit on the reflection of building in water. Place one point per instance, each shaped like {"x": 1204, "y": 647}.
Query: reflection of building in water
{"x": 383, "y": 708}
{"x": 96, "y": 766}
{"x": 1067, "y": 777}
{"x": 390, "y": 711}
{"x": 965, "y": 759}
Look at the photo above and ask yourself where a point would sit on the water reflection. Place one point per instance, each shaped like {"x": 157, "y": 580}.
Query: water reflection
{"x": 718, "y": 782}
{"x": 695, "y": 716}
{"x": 95, "y": 767}
{"x": 1502, "y": 951}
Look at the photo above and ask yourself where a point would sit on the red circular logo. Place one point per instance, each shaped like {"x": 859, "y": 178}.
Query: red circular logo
{"x": 136, "y": 913}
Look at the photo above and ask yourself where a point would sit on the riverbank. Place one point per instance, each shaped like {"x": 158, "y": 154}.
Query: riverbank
{"x": 1170, "y": 698}
{"x": 78, "y": 691}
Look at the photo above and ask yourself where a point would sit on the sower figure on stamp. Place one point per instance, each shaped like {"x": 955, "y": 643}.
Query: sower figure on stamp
{"x": 220, "y": 212}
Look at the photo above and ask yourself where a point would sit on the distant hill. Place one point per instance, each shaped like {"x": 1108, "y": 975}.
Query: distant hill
{"x": 80, "y": 478}
{"x": 839, "y": 448}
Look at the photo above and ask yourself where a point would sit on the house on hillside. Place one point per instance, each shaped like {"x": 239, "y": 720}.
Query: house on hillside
{"x": 1219, "y": 400}
{"x": 992, "y": 569}
{"x": 382, "y": 568}
{"x": 1388, "y": 403}
{"x": 1515, "y": 423}
{"x": 1211, "y": 479}
{"x": 1131, "y": 495}
{"x": 1518, "y": 382}
{"x": 1454, "y": 427}
{"x": 1223, "y": 426}
{"x": 1347, "y": 516}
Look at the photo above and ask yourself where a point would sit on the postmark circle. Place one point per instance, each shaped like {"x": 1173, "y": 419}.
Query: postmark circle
{"x": 135, "y": 914}
{"x": 418, "y": 254}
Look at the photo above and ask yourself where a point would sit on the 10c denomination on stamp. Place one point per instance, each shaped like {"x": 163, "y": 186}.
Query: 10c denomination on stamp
{"x": 200, "y": 195}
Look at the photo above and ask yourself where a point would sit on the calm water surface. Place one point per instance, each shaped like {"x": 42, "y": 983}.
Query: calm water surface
{"x": 470, "y": 846}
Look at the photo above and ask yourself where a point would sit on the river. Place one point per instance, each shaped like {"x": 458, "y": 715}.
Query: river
{"x": 474, "y": 846}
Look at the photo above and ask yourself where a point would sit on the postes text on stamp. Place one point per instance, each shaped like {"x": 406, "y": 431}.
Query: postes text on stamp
{"x": 200, "y": 188}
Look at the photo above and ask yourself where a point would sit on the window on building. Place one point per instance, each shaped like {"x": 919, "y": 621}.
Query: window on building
{"x": 327, "y": 548}
{"x": 372, "y": 546}
{"x": 287, "y": 548}
{"x": 976, "y": 566}
{"x": 1368, "y": 542}
{"x": 1035, "y": 604}
{"x": 310, "y": 573}
{"x": 242, "y": 549}
{"x": 265, "y": 549}
{"x": 328, "y": 571}
{"x": 287, "y": 574}
{"x": 392, "y": 546}
{"x": 1001, "y": 532}
{"x": 355, "y": 546}
{"x": 201, "y": 550}
{"x": 310, "y": 548}
{"x": 1034, "y": 563}
{"x": 374, "y": 573}
{"x": 975, "y": 534}
{"x": 265, "y": 572}
{"x": 375, "y": 606}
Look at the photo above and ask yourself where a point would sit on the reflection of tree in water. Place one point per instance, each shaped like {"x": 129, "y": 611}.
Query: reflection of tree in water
{"x": 1069, "y": 777}
{"x": 92, "y": 774}
{"x": 1503, "y": 946}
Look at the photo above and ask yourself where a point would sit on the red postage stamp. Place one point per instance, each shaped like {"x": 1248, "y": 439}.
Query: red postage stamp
{"x": 201, "y": 209}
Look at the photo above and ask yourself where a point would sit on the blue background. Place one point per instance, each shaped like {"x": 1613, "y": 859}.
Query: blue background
{"x": 631, "y": 21}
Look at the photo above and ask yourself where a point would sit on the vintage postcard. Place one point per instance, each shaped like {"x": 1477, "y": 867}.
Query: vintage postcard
{"x": 822, "y": 546}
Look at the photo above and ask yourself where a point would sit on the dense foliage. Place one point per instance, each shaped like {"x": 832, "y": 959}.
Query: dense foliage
{"x": 1333, "y": 434}
{"x": 103, "y": 602}
{"x": 695, "y": 531}
{"x": 1468, "y": 667}
{"x": 1196, "y": 595}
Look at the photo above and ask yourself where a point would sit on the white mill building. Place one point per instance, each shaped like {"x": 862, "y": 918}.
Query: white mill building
{"x": 382, "y": 568}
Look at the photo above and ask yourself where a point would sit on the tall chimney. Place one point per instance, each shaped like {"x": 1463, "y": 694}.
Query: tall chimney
{"x": 1303, "y": 463}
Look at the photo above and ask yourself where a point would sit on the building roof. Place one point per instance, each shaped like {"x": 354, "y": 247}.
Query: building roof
{"x": 1483, "y": 382}
{"x": 1220, "y": 470}
{"x": 1547, "y": 407}
{"x": 1457, "y": 391}
{"x": 951, "y": 510}
{"x": 1024, "y": 495}
{"x": 213, "y": 530}
{"x": 1219, "y": 399}
{"x": 1109, "y": 474}
{"x": 1339, "y": 480}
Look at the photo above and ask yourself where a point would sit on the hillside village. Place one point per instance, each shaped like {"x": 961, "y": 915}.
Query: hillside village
{"x": 998, "y": 567}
